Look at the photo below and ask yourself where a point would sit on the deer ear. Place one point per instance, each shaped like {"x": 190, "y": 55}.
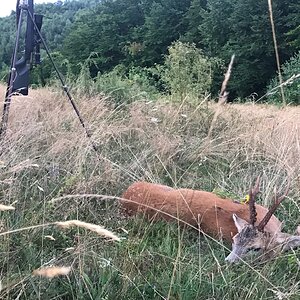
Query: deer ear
{"x": 239, "y": 223}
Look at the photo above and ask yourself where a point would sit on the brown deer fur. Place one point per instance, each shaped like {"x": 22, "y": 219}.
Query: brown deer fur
{"x": 214, "y": 214}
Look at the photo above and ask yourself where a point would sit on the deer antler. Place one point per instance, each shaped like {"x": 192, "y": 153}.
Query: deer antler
{"x": 277, "y": 201}
{"x": 252, "y": 195}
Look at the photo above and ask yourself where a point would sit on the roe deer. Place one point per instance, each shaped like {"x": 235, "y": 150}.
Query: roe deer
{"x": 248, "y": 226}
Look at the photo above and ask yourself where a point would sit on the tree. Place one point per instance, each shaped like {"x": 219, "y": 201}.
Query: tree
{"x": 291, "y": 75}
{"x": 194, "y": 19}
{"x": 243, "y": 27}
{"x": 164, "y": 23}
{"x": 104, "y": 31}
{"x": 292, "y": 21}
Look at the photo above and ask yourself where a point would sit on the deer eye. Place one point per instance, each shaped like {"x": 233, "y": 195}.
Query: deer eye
{"x": 255, "y": 249}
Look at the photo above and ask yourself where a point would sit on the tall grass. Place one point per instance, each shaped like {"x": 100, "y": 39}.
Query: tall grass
{"x": 46, "y": 155}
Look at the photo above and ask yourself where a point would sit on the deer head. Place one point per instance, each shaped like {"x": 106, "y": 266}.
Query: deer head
{"x": 252, "y": 238}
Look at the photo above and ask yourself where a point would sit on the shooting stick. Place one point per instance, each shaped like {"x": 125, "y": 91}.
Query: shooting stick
{"x": 11, "y": 79}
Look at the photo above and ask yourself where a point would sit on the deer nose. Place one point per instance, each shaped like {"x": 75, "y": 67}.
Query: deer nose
{"x": 232, "y": 258}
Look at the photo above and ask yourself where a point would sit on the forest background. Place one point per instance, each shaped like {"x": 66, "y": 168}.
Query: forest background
{"x": 132, "y": 38}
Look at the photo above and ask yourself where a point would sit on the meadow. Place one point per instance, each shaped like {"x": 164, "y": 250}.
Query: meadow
{"x": 49, "y": 172}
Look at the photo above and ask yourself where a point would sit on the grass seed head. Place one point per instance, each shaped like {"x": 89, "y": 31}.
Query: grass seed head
{"x": 6, "y": 207}
{"x": 52, "y": 272}
{"x": 92, "y": 227}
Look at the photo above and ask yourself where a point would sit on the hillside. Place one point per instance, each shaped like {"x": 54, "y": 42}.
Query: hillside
{"x": 46, "y": 156}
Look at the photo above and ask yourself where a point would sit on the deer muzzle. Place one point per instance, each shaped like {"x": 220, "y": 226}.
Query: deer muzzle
{"x": 235, "y": 254}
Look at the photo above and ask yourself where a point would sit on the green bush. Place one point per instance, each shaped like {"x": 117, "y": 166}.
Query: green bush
{"x": 187, "y": 71}
{"x": 123, "y": 88}
{"x": 44, "y": 74}
{"x": 290, "y": 70}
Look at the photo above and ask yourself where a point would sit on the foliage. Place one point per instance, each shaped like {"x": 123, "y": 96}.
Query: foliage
{"x": 293, "y": 19}
{"x": 136, "y": 33}
{"x": 104, "y": 31}
{"x": 45, "y": 74}
{"x": 4, "y": 69}
{"x": 220, "y": 28}
{"x": 193, "y": 18}
{"x": 187, "y": 71}
{"x": 290, "y": 69}
{"x": 122, "y": 88}
{"x": 164, "y": 23}
{"x": 243, "y": 28}
{"x": 56, "y": 24}
{"x": 7, "y": 36}
{"x": 117, "y": 86}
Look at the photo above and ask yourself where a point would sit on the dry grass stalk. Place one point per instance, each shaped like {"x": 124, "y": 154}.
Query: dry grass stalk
{"x": 52, "y": 272}
{"x": 92, "y": 227}
{"x": 26, "y": 229}
{"x": 49, "y": 237}
{"x": 285, "y": 83}
{"x": 68, "y": 224}
{"x": 224, "y": 94}
{"x": 276, "y": 52}
{"x": 26, "y": 164}
{"x": 222, "y": 98}
{"x": 6, "y": 207}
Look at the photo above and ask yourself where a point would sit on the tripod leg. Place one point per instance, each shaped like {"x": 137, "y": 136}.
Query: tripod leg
{"x": 64, "y": 86}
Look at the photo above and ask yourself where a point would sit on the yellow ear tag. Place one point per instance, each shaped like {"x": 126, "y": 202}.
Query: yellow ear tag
{"x": 246, "y": 199}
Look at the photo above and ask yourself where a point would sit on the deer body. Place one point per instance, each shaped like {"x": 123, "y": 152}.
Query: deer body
{"x": 212, "y": 213}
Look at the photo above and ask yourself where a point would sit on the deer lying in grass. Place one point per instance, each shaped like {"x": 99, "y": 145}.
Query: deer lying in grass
{"x": 258, "y": 230}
